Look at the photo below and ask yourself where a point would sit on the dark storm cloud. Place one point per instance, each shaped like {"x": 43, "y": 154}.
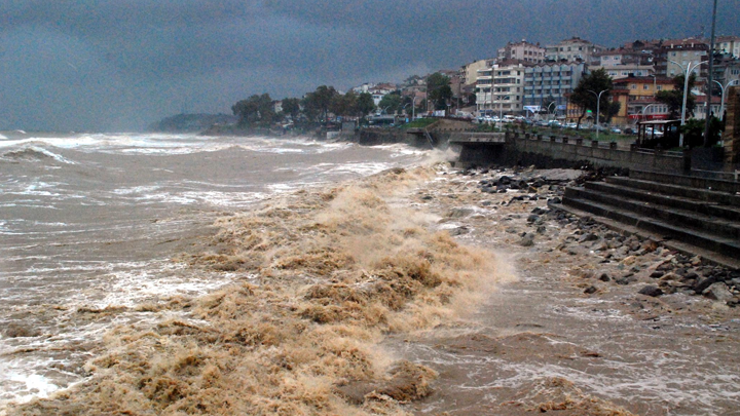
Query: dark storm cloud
{"x": 120, "y": 64}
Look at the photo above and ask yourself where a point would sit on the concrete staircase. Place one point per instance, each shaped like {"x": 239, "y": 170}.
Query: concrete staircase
{"x": 701, "y": 216}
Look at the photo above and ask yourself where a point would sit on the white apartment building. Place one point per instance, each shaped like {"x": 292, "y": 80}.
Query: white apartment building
{"x": 471, "y": 70}
{"x": 574, "y": 49}
{"x": 500, "y": 88}
{"x": 522, "y": 51}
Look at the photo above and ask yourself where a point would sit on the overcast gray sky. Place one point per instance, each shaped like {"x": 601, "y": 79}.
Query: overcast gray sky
{"x": 117, "y": 65}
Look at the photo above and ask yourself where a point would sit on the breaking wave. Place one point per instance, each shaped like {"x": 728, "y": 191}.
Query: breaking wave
{"x": 34, "y": 154}
{"x": 321, "y": 277}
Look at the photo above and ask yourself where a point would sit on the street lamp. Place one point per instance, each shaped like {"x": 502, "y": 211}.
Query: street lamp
{"x": 598, "y": 103}
{"x": 722, "y": 101}
{"x": 689, "y": 69}
{"x": 645, "y": 108}
{"x": 548, "y": 108}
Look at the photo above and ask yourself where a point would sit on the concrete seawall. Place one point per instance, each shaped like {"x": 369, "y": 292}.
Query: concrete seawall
{"x": 562, "y": 151}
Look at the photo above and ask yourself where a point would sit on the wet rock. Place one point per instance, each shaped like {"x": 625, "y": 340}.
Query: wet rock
{"x": 459, "y": 231}
{"x": 605, "y": 277}
{"x": 703, "y": 283}
{"x": 657, "y": 274}
{"x": 533, "y": 218}
{"x": 718, "y": 291}
{"x": 651, "y": 290}
{"x": 527, "y": 240}
{"x": 588, "y": 237}
{"x": 555, "y": 200}
{"x": 590, "y": 290}
{"x": 624, "y": 281}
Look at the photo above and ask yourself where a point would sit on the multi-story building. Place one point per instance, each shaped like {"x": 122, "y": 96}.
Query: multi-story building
{"x": 573, "y": 50}
{"x": 624, "y": 56}
{"x": 624, "y": 71}
{"x": 549, "y": 83}
{"x": 728, "y": 45}
{"x": 636, "y": 96}
{"x": 471, "y": 70}
{"x": 675, "y": 55}
{"x": 508, "y": 87}
{"x": 522, "y": 51}
{"x": 500, "y": 88}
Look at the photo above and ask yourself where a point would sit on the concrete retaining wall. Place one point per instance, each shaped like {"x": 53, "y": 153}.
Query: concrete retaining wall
{"x": 554, "y": 152}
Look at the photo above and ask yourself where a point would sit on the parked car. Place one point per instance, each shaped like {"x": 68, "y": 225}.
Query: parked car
{"x": 571, "y": 125}
{"x": 616, "y": 130}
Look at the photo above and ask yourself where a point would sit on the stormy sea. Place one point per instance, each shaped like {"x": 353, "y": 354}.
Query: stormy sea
{"x": 90, "y": 223}
{"x": 147, "y": 274}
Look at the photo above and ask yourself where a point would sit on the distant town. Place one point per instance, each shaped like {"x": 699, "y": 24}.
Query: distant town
{"x": 565, "y": 83}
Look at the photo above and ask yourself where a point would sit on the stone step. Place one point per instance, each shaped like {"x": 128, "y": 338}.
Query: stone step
{"x": 719, "y": 185}
{"x": 724, "y": 198}
{"x": 712, "y": 209}
{"x": 673, "y": 215}
{"x": 699, "y": 238}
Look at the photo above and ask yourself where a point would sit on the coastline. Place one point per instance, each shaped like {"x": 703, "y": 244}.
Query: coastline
{"x": 391, "y": 294}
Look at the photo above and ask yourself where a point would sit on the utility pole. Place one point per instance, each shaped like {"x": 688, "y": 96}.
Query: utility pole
{"x": 709, "y": 78}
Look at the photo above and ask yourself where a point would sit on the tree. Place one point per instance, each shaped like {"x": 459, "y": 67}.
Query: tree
{"x": 693, "y": 132}
{"x": 292, "y": 107}
{"x": 586, "y": 93}
{"x": 364, "y": 104}
{"x": 438, "y": 90}
{"x": 343, "y": 104}
{"x": 674, "y": 98}
{"x": 316, "y": 104}
{"x": 391, "y": 102}
{"x": 255, "y": 110}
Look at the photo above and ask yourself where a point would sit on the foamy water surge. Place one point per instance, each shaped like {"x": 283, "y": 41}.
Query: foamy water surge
{"x": 90, "y": 225}
{"x": 319, "y": 278}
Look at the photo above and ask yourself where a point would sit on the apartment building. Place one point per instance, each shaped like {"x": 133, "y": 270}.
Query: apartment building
{"x": 574, "y": 50}
{"x": 675, "y": 55}
{"x": 636, "y": 96}
{"x": 550, "y": 83}
{"x": 522, "y": 51}
{"x": 729, "y": 45}
{"x": 625, "y": 71}
{"x": 471, "y": 70}
{"x": 500, "y": 88}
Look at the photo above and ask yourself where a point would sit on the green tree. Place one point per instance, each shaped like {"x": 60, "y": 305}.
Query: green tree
{"x": 292, "y": 107}
{"x": 674, "y": 98}
{"x": 693, "y": 132}
{"x": 316, "y": 104}
{"x": 255, "y": 110}
{"x": 586, "y": 93}
{"x": 438, "y": 90}
{"x": 364, "y": 104}
{"x": 391, "y": 102}
{"x": 342, "y": 105}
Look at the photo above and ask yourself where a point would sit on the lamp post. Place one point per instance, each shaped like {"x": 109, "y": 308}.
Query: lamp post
{"x": 689, "y": 69}
{"x": 598, "y": 108}
{"x": 548, "y": 108}
{"x": 413, "y": 108}
{"x": 722, "y": 101}
{"x": 645, "y": 108}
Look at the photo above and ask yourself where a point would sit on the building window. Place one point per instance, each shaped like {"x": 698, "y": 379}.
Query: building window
{"x": 645, "y": 87}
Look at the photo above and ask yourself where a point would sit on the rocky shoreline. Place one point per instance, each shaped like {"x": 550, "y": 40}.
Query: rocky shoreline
{"x": 661, "y": 270}
{"x": 592, "y": 322}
